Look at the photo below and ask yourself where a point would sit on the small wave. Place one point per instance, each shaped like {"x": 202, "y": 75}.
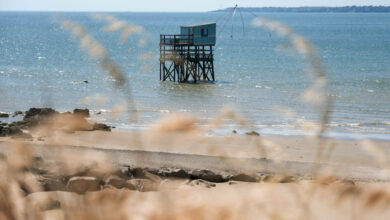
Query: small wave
{"x": 359, "y": 124}
{"x": 375, "y": 124}
{"x": 344, "y": 125}
{"x": 101, "y": 111}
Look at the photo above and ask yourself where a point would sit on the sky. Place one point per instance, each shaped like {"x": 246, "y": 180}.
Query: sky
{"x": 166, "y": 5}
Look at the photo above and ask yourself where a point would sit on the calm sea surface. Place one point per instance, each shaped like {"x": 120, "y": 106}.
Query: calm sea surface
{"x": 43, "y": 65}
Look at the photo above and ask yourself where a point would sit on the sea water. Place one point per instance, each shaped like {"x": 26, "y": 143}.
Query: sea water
{"x": 257, "y": 76}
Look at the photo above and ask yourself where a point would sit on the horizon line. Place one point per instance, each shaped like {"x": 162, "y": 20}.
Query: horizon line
{"x": 124, "y": 11}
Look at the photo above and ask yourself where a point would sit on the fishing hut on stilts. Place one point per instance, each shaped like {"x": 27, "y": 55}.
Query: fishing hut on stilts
{"x": 188, "y": 56}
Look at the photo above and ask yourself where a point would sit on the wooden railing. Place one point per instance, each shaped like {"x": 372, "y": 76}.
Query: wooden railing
{"x": 176, "y": 39}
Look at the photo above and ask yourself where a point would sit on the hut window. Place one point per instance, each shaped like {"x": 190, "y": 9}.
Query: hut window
{"x": 205, "y": 32}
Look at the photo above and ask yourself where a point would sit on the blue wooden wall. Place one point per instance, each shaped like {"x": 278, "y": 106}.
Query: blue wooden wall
{"x": 204, "y": 34}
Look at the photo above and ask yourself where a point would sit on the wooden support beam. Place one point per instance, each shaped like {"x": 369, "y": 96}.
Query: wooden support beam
{"x": 185, "y": 63}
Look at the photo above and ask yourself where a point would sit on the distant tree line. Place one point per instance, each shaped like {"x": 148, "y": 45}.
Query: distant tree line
{"x": 345, "y": 9}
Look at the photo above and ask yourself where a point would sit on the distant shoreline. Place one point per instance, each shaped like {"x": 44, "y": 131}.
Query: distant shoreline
{"x": 307, "y": 9}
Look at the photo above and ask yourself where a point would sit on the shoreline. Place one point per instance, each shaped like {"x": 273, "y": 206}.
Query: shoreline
{"x": 269, "y": 131}
{"x": 333, "y": 131}
{"x": 288, "y": 155}
{"x": 187, "y": 144}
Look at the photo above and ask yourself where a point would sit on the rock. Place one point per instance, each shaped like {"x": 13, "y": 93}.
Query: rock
{"x": 73, "y": 123}
{"x": 123, "y": 172}
{"x": 225, "y": 176}
{"x": 4, "y": 115}
{"x": 18, "y": 113}
{"x": 10, "y": 131}
{"x": 278, "y": 179}
{"x": 82, "y": 184}
{"x": 36, "y": 116}
{"x": 81, "y": 112}
{"x": 23, "y": 136}
{"x": 207, "y": 175}
{"x": 287, "y": 179}
{"x": 142, "y": 185}
{"x": 244, "y": 178}
{"x": 174, "y": 173}
{"x": 252, "y": 133}
{"x": 234, "y": 132}
{"x": 144, "y": 174}
{"x": 201, "y": 183}
{"x": 40, "y": 112}
{"x": 138, "y": 173}
{"x": 101, "y": 127}
{"x": 19, "y": 124}
{"x": 52, "y": 183}
{"x": 152, "y": 177}
{"x": 115, "y": 181}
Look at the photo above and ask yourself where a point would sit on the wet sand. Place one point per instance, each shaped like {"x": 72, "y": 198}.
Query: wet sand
{"x": 292, "y": 155}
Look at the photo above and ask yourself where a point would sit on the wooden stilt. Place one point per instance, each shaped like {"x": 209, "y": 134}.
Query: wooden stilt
{"x": 182, "y": 61}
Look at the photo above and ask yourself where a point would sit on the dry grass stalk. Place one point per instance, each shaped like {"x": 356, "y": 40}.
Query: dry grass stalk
{"x": 317, "y": 94}
{"x": 115, "y": 24}
{"x": 98, "y": 51}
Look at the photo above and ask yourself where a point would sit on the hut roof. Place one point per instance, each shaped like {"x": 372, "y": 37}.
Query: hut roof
{"x": 197, "y": 25}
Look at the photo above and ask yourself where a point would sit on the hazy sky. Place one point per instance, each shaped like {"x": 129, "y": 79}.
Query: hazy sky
{"x": 166, "y": 5}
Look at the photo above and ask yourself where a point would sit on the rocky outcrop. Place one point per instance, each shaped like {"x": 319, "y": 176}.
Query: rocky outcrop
{"x": 244, "y": 178}
{"x": 173, "y": 173}
{"x": 252, "y": 133}
{"x": 142, "y": 185}
{"x": 10, "y": 131}
{"x": 4, "y": 115}
{"x": 115, "y": 181}
{"x": 101, "y": 127}
{"x": 52, "y": 183}
{"x": 81, "y": 112}
{"x": 207, "y": 175}
{"x": 83, "y": 184}
{"x": 67, "y": 121}
{"x": 37, "y": 116}
{"x": 200, "y": 182}
{"x": 17, "y": 113}
{"x": 144, "y": 174}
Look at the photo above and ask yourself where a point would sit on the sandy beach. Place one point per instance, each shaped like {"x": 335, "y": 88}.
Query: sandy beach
{"x": 288, "y": 177}
{"x": 290, "y": 155}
